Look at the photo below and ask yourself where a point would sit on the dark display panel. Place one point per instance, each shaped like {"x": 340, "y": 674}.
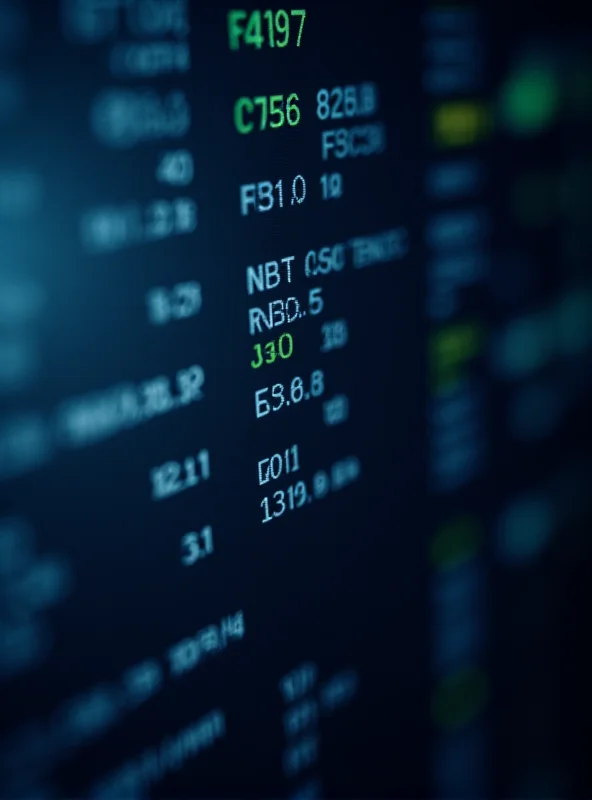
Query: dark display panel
{"x": 295, "y": 371}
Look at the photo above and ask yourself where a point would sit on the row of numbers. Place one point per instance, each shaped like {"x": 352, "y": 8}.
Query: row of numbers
{"x": 94, "y": 417}
{"x": 347, "y": 101}
{"x": 110, "y": 228}
{"x": 360, "y": 251}
{"x": 296, "y": 393}
{"x": 175, "y": 477}
{"x": 342, "y": 473}
{"x": 276, "y": 111}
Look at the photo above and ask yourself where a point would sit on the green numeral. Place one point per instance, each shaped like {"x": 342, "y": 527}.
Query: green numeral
{"x": 302, "y": 14}
{"x": 285, "y": 348}
{"x": 253, "y": 33}
{"x": 248, "y": 27}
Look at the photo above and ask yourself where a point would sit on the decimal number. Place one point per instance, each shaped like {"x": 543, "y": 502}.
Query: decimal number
{"x": 272, "y": 28}
{"x": 196, "y": 546}
{"x": 181, "y": 301}
{"x": 284, "y": 345}
{"x": 174, "y": 477}
{"x": 285, "y": 395}
{"x": 347, "y": 101}
{"x": 264, "y": 195}
{"x": 272, "y": 111}
{"x": 284, "y": 312}
{"x": 325, "y": 260}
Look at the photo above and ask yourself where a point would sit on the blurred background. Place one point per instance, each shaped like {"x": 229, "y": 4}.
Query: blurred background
{"x": 408, "y": 615}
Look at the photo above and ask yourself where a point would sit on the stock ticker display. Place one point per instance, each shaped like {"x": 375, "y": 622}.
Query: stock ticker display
{"x": 295, "y": 380}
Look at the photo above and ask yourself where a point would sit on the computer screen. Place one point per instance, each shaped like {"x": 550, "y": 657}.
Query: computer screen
{"x": 295, "y": 382}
